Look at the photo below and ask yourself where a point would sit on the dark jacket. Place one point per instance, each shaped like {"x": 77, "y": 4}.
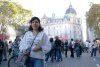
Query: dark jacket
{"x": 1, "y": 45}
{"x": 57, "y": 42}
{"x": 77, "y": 46}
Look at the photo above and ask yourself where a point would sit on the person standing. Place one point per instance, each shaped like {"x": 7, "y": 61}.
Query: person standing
{"x": 5, "y": 46}
{"x": 90, "y": 47}
{"x": 52, "y": 49}
{"x": 41, "y": 44}
{"x": 66, "y": 47}
{"x": 86, "y": 46}
{"x": 58, "y": 48}
{"x": 5, "y": 49}
{"x": 1, "y": 36}
{"x": 99, "y": 45}
{"x": 94, "y": 48}
{"x": 72, "y": 43}
{"x": 77, "y": 48}
{"x": 1, "y": 50}
{"x": 15, "y": 45}
{"x": 81, "y": 47}
{"x": 10, "y": 47}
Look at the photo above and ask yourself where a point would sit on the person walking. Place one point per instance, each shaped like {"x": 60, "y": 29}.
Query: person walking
{"x": 41, "y": 44}
{"x": 51, "y": 52}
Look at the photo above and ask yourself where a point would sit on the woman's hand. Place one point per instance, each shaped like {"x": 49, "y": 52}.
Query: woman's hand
{"x": 37, "y": 48}
{"x": 25, "y": 52}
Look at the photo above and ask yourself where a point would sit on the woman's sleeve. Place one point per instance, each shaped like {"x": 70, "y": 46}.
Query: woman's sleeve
{"x": 46, "y": 47}
{"x": 22, "y": 44}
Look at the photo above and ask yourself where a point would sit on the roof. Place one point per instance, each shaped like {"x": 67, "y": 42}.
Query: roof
{"x": 70, "y": 10}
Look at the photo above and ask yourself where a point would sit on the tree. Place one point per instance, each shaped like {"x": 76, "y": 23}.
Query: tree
{"x": 12, "y": 13}
{"x": 93, "y": 18}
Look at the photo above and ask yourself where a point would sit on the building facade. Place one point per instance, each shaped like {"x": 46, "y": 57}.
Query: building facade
{"x": 66, "y": 27}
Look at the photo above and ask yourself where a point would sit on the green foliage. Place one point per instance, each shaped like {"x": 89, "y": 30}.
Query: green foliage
{"x": 22, "y": 30}
{"x": 93, "y": 18}
{"x": 12, "y": 13}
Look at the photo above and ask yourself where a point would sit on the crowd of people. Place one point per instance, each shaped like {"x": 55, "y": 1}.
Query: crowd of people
{"x": 73, "y": 46}
{"x": 7, "y": 47}
{"x": 43, "y": 47}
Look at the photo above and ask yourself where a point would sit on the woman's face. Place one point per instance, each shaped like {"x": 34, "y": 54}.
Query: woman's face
{"x": 35, "y": 24}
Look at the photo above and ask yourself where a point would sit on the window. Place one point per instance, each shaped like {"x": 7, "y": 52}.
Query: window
{"x": 68, "y": 19}
{"x": 74, "y": 32}
{"x": 48, "y": 21}
{"x": 70, "y": 31}
{"x": 48, "y": 27}
{"x": 75, "y": 36}
{"x": 78, "y": 20}
{"x": 60, "y": 26}
{"x": 74, "y": 28}
{"x": 54, "y": 27}
{"x": 53, "y": 20}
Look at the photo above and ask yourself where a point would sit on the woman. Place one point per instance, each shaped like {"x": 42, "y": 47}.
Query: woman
{"x": 40, "y": 46}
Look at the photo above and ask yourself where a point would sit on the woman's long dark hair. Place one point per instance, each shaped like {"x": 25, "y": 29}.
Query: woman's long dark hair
{"x": 30, "y": 27}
